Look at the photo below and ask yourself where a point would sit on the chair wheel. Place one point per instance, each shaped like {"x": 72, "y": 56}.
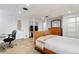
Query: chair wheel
{"x": 11, "y": 47}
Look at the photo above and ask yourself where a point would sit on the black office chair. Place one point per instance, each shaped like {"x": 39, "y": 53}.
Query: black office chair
{"x": 11, "y": 37}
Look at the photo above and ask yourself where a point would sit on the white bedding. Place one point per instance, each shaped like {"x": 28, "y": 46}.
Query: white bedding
{"x": 40, "y": 42}
{"x": 44, "y": 38}
{"x": 63, "y": 45}
{"x": 40, "y": 45}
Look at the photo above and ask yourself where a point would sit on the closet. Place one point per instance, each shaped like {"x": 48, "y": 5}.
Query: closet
{"x": 71, "y": 27}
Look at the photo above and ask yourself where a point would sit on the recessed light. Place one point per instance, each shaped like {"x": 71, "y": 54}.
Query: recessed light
{"x": 19, "y": 12}
{"x": 69, "y": 11}
{"x": 27, "y": 4}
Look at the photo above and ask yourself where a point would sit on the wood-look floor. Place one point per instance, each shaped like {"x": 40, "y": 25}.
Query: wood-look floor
{"x": 21, "y": 46}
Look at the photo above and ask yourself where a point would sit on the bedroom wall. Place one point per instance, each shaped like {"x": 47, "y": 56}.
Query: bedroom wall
{"x": 8, "y": 23}
{"x": 49, "y": 24}
{"x": 24, "y": 32}
{"x": 40, "y": 26}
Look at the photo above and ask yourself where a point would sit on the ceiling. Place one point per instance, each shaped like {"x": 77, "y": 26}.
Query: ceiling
{"x": 39, "y": 11}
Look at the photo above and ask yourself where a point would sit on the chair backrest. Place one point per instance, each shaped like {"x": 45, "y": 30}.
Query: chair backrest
{"x": 14, "y": 34}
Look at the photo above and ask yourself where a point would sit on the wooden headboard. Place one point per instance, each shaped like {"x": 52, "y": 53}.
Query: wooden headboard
{"x": 38, "y": 34}
{"x": 53, "y": 31}
{"x": 56, "y": 31}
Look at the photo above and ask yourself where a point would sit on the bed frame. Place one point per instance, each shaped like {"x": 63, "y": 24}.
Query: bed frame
{"x": 56, "y": 31}
{"x": 53, "y": 31}
{"x": 47, "y": 51}
{"x": 38, "y": 34}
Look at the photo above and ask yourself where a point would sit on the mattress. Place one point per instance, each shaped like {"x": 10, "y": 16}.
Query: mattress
{"x": 40, "y": 42}
{"x": 63, "y": 45}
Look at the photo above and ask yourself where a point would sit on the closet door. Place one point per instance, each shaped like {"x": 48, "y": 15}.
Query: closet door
{"x": 71, "y": 27}
{"x": 77, "y": 34}
{"x": 65, "y": 30}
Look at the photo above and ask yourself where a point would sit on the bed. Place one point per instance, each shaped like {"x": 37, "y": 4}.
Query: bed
{"x": 40, "y": 42}
{"x": 58, "y": 44}
{"x": 41, "y": 36}
{"x": 55, "y": 44}
{"x": 62, "y": 45}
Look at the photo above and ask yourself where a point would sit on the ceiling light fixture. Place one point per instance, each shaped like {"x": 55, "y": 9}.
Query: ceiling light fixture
{"x": 19, "y": 12}
{"x": 69, "y": 11}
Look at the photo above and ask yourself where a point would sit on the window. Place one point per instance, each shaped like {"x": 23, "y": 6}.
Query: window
{"x": 56, "y": 23}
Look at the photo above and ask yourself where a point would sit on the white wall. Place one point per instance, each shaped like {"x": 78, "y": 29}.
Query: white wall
{"x": 40, "y": 26}
{"x": 49, "y": 24}
{"x": 8, "y": 23}
{"x": 24, "y": 32}
{"x": 25, "y": 26}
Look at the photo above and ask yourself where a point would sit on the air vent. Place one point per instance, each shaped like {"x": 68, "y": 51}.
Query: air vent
{"x": 25, "y": 8}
